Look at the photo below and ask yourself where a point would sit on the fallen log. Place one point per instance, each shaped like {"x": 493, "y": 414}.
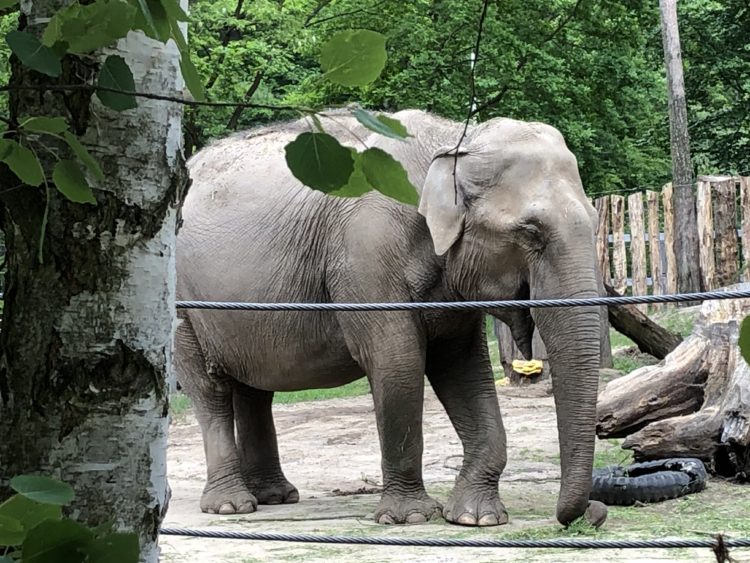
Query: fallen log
{"x": 650, "y": 337}
{"x": 695, "y": 403}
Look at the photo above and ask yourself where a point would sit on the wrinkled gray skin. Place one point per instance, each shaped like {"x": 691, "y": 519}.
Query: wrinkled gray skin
{"x": 520, "y": 225}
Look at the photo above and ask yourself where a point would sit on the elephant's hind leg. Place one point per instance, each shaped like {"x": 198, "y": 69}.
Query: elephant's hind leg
{"x": 461, "y": 376}
{"x": 258, "y": 449}
{"x": 211, "y": 393}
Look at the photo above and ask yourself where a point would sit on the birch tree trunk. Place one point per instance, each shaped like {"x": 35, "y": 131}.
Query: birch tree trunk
{"x": 686, "y": 244}
{"x": 87, "y": 334}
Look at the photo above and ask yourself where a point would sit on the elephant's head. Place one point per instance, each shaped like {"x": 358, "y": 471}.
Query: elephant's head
{"x": 514, "y": 219}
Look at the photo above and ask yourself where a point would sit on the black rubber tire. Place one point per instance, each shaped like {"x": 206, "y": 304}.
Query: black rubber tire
{"x": 650, "y": 481}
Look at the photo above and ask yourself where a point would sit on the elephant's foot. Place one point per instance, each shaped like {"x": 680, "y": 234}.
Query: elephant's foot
{"x": 472, "y": 506}
{"x": 596, "y": 513}
{"x": 272, "y": 490}
{"x": 412, "y": 509}
{"x": 228, "y": 498}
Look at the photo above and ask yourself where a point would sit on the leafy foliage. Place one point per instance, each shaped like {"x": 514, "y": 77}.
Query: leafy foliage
{"x": 33, "y": 529}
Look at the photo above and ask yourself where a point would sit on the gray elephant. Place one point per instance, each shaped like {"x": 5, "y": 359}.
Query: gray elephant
{"x": 515, "y": 224}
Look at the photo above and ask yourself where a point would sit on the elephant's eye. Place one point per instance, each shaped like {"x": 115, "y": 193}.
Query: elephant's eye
{"x": 530, "y": 233}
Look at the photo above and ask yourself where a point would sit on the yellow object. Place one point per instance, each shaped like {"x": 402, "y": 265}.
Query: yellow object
{"x": 532, "y": 367}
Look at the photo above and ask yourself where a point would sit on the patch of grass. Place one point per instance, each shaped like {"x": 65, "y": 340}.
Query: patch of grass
{"x": 609, "y": 452}
{"x": 179, "y": 405}
{"x": 353, "y": 389}
{"x": 677, "y": 320}
{"x": 618, "y": 340}
{"x": 627, "y": 364}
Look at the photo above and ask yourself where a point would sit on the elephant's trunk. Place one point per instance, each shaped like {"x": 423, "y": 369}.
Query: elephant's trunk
{"x": 571, "y": 336}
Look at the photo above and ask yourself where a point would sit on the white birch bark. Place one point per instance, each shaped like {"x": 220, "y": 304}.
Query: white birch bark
{"x": 88, "y": 336}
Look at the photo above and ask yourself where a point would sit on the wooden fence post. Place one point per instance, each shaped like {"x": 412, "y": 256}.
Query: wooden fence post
{"x": 619, "y": 256}
{"x": 602, "y": 237}
{"x": 637, "y": 245}
{"x": 706, "y": 235}
{"x": 654, "y": 244}
{"x": 668, "y": 199}
{"x": 745, "y": 204}
{"x": 725, "y": 226}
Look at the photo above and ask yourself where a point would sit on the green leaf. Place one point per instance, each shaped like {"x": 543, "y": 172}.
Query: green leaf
{"x": 319, "y": 161}
{"x": 116, "y": 74}
{"x": 43, "y": 489}
{"x": 33, "y": 54}
{"x": 189, "y": 72}
{"x": 357, "y": 184}
{"x": 152, "y": 18}
{"x": 11, "y": 531}
{"x": 45, "y": 124}
{"x": 174, "y": 10}
{"x": 86, "y": 28}
{"x": 355, "y": 57}
{"x": 29, "y": 512}
{"x": 55, "y": 541}
{"x": 382, "y": 124}
{"x": 22, "y": 162}
{"x": 113, "y": 548}
{"x": 744, "y": 340}
{"x": 7, "y": 3}
{"x": 83, "y": 155}
{"x": 388, "y": 176}
{"x": 72, "y": 183}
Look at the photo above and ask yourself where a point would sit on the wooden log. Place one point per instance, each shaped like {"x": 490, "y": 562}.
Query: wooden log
{"x": 724, "y": 195}
{"x": 668, "y": 200}
{"x": 745, "y": 210}
{"x": 637, "y": 246}
{"x": 696, "y": 402}
{"x": 650, "y": 337}
{"x": 602, "y": 237}
{"x": 619, "y": 256}
{"x": 654, "y": 245}
{"x": 706, "y": 236}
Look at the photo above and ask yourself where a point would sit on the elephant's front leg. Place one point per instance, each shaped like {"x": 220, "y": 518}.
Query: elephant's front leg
{"x": 461, "y": 375}
{"x": 394, "y": 362}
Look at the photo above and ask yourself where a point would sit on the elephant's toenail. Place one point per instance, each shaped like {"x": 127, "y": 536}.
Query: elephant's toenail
{"x": 292, "y": 497}
{"x": 416, "y": 518}
{"x": 467, "y": 519}
{"x": 386, "y": 519}
{"x": 488, "y": 520}
{"x": 227, "y": 508}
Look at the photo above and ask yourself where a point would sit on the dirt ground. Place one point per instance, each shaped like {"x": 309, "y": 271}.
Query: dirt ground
{"x": 329, "y": 446}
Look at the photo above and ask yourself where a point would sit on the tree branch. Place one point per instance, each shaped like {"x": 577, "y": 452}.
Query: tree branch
{"x": 151, "y": 96}
{"x": 309, "y": 23}
{"x": 234, "y": 119}
{"x": 473, "y": 89}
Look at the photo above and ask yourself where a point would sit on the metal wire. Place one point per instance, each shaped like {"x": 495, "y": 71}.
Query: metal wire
{"x": 457, "y": 542}
{"x": 467, "y": 305}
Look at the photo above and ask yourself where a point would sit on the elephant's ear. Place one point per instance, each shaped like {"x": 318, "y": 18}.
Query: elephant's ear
{"x": 441, "y": 204}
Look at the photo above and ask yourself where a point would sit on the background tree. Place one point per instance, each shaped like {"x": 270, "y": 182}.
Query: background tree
{"x": 685, "y": 218}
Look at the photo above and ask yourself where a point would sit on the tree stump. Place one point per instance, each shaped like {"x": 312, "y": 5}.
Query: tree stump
{"x": 509, "y": 352}
{"x": 695, "y": 403}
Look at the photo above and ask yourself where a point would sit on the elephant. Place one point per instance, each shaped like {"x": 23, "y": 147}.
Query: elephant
{"x": 514, "y": 223}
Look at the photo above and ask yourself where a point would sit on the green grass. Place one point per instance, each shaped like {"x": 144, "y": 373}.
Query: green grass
{"x": 179, "y": 405}
{"x": 353, "y": 389}
{"x": 609, "y": 452}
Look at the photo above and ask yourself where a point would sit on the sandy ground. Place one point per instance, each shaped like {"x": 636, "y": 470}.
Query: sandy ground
{"x": 332, "y": 446}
